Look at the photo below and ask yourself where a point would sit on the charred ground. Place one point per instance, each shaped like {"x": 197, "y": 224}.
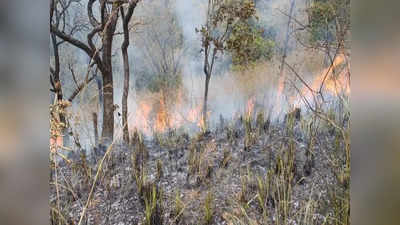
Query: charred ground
{"x": 245, "y": 171}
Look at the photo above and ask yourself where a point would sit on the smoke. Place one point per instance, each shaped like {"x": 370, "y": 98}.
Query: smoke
{"x": 230, "y": 91}
{"x": 227, "y": 94}
{"x": 191, "y": 14}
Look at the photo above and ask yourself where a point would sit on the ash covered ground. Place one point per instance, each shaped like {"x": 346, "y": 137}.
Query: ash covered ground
{"x": 246, "y": 171}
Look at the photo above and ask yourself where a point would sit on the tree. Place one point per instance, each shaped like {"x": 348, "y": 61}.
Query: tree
{"x": 162, "y": 47}
{"x": 100, "y": 55}
{"x": 223, "y": 16}
{"x": 247, "y": 45}
{"x": 124, "y": 48}
{"x": 58, "y": 16}
{"x": 159, "y": 60}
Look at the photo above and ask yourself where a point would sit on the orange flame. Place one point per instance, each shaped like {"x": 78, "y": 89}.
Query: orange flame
{"x": 162, "y": 118}
{"x": 194, "y": 115}
{"x": 334, "y": 80}
{"x": 141, "y": 117}
{"x": 153, "y": 114}
{"x": 250, "y": 106}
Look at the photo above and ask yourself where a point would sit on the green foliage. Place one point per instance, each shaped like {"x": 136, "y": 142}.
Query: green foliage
{"x": 328, "y": 20}
{"x": 223, "y": 23}
{"x": 247, "y": 45}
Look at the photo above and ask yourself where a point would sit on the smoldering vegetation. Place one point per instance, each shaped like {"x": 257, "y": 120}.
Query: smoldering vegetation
{"x": 275, "y": 148}
{"x": 247, "y": 171}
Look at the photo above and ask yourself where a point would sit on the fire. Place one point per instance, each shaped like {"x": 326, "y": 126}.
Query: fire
{"x": 155, "y": 115}
{"x": 141, "y": 117}
{"x": 162, "y": 118}
{"x": 281, "y": 88}
{"x": 250, "y": 106}
{"x": 335, "y": 80}
{"x": 194, "y": 115}
{"x": 159, "y": 112}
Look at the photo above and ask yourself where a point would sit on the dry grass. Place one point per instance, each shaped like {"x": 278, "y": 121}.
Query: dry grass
{"x": 281, "y": 193}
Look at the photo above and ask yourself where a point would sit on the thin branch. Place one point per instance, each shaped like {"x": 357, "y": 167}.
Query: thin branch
{"x": 80, "y": 88}
{"x": 300, "y": 78}
{"x": 77, "y": 43}
{"x": 73, "y": 74}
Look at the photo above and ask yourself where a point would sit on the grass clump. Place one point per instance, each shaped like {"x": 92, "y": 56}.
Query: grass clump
{"x": 200, "y": 160}
{"x": 153, "y": 206}
{"x": 251, "y": 134}
{"x": 247, "y": 187}
{"x": 263, "y": 192}
{"x": 178, "y": 207}
{"x": 209, "y": 209}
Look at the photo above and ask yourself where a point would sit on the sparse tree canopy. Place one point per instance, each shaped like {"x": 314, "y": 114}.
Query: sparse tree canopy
{"x": 223, "y": 19}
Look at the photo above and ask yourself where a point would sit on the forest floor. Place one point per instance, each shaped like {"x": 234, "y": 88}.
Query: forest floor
{"x": 242, "y": 172}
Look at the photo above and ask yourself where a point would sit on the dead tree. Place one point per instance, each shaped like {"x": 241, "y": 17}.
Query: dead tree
{"x": 104, "y": 27}
{"x": 124, "y": 48}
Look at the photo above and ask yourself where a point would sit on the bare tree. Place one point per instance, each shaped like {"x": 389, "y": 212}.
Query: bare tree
{"x": 162, "y": 42}
{"x": 124, "y": 48}
{"x": 58, "y": 16}
{"x": 100, "y": 55}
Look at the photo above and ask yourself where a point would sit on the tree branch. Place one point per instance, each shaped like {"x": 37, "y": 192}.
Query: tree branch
{"x": 77, "y": 43}
{"x": 92, "y": 19}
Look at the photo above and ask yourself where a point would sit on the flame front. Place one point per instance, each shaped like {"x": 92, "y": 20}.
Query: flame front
{"x": 159, "y": 112}
{"x": 335, "y": 80}
{"x": 155, "y": 115}
{"x": 141, "y": 117}
{"x": 332, "y": 81}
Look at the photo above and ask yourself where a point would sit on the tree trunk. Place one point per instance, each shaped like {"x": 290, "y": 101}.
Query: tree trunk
{"x": 99, "y": 87}
{"x": 107, "y": 73}
{"x": 205, "y": 102}
{"x": 96, "y": 133}
{"x": 124, "y": 48}
{"x": 125, "y": 96}
{"x": 108, "y": 108}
